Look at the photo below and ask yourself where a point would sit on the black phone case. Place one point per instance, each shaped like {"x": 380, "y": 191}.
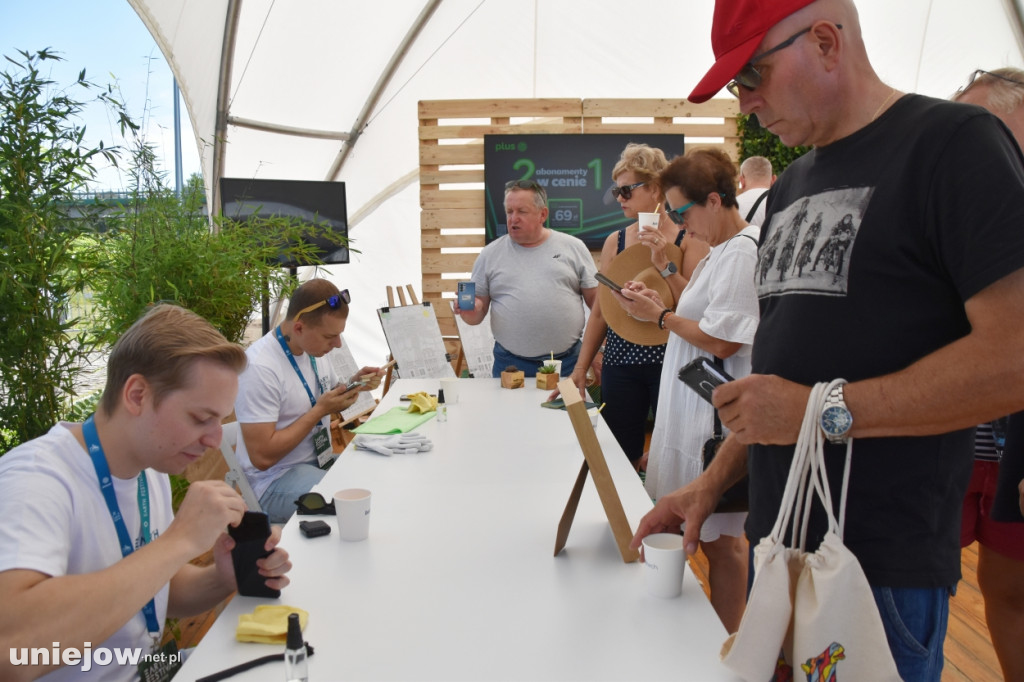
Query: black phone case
{"x": 314, "y": 529}
{"x": 700, "y": 378}
{"x": 608, "y": 282}
{"x": 250, "y": 536}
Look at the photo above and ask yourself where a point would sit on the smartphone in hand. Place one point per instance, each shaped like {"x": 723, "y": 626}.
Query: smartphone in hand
{"x": 608, "y": 282}
{"x": 250, "y": 536}
{"x": 703, "y": 376}
{"x": 466, "y": 295}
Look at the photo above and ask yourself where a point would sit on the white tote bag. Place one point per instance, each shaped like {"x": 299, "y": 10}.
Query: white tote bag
{"x": 810, "y": 612}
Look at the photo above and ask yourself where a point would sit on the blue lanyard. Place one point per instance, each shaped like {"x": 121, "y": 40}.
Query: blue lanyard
{"x": 295, "y": 366}
{"x": 99, "y": 462}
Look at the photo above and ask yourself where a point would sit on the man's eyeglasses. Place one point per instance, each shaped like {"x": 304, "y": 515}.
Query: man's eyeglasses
{"x": 334, "y": 302}
{"x": 749, "y": 77}
{"x": 981, "y": 72}
{"x": 523, "y": 184}
{"x": 314, "y": 503}
{"x": 626, "y": 191}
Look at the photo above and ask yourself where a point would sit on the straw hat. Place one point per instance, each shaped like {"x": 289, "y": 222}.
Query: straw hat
{"x": 634, "y": 264}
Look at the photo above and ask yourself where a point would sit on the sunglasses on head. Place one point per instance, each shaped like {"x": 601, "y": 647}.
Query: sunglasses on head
{"x": 333, "y": 302}
{"x": 626, "y": 191}
{"x": 314, "y": 503}
{"x": 523, "y": 184}
{"x": 982, "y": 72}
{"x": 749, "y": 77}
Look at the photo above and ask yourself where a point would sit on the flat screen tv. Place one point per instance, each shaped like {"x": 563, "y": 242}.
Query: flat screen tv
{"x": 317, "y": 203}
{"x": 576, "y": 173}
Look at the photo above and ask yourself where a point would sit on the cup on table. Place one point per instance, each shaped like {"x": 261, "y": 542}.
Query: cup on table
{"x": 352, "y": 507}
{"x": 593, "y": 412}
{"x": 556, "y": 363}
{"x": 664, "y": 559}
{"x": 450, "y": 386}
{"x": 648, "y": 221}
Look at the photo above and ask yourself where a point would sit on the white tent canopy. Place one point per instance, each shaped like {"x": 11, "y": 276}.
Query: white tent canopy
{"x": 328, "y": 89}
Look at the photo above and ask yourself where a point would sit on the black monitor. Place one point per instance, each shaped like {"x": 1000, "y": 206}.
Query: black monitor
{"x": 314, "y": 202}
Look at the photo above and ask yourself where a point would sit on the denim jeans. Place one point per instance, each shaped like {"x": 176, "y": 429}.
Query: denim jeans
{"x": 915, "y": 624}
{"x": 278, "y": 501}
{"x": 503, "y": 358}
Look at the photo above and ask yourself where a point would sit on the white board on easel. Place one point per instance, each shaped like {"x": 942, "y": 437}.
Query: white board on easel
{"x": 477, "y": 345}
{"x": 345, "y": 366}
{"x": 415, "y": 341}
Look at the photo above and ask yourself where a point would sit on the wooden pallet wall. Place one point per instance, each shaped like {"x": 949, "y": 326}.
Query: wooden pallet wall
{"x": 452, "y": 155}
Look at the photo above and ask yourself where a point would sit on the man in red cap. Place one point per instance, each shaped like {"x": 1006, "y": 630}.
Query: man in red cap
{"x": 912, "y": 208}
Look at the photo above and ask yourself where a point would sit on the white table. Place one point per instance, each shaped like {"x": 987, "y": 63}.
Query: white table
{"x": 457, "y": 580}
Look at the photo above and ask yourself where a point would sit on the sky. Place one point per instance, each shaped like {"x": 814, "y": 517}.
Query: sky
{"x": 109, "y": 41}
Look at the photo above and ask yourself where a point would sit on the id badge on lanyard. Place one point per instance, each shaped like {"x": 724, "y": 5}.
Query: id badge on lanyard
{"x": 321, "y": 436}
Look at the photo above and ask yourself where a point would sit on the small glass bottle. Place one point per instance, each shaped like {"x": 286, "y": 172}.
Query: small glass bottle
{"x": 296, "y": 668}
{"x": 442, "y": 409}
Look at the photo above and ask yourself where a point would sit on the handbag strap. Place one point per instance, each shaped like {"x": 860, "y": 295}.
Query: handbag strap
{"x": 807, "y": 475}
{"x": 718, "y": 422}
{"x": 753, "y": 209}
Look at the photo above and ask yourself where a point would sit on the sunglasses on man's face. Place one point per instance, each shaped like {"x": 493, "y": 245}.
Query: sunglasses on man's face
{"x": 314, "y": 503}
{"x": 626, "y": 191}
{"x": 334, "y": 302}
{"x": 749, "y": 77}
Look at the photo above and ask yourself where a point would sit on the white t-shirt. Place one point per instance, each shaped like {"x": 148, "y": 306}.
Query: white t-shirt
{"x": 746, "y": 201}
{"x": 55, "y": 521}
{"x": 269, "y": 390}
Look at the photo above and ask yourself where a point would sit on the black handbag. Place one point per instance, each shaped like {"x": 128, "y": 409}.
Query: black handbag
{"x": 737, "y": 497}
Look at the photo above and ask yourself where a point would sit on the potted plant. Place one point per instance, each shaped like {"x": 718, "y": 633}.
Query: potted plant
{"x": 512, "y": 377}
{"x": 547, "y": 377}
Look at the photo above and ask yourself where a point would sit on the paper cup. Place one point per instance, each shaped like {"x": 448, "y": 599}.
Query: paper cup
{"x": 664, "y": 559}
{"x": 593, "y": 416}
{"x": 557, "y": 364}
{"x": 352, "y": 507}
{"x": 648, "y": 221}
{"x": 450, "y": 386}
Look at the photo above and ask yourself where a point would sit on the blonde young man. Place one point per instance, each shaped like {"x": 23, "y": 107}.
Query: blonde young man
{"x": 67, "y": 582}
{"x": 912, "y": 208}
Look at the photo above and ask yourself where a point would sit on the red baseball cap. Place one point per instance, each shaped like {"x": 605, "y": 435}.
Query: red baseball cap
{"x": 736, "y": 31}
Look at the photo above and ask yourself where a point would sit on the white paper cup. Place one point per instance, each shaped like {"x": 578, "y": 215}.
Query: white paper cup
{"x": 648, "y": 221}
{"x": 557, "y": 364}
{"x": 450, "y": 386}
{"x": 352, "y": 507}
{"x": 664, "y": 559}
{"x": 593, "y": 416}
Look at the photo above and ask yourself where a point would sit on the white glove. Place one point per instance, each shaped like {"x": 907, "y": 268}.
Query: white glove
{"x": 398, "y": 444}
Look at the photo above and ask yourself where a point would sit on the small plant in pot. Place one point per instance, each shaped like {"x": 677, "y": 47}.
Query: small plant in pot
{"x": 512, "y": 377}
{"x": 547, "y": 376}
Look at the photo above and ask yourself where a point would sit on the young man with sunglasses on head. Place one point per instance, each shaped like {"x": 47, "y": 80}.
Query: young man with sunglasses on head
{"x": 534, "y": 281}
{"x": 286, "y": 398}
{"x": 92, "y": 559}
{"x": 922, "y": 319}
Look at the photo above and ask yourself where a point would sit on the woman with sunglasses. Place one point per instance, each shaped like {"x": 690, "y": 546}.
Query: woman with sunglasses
{"x": 630, "y": 373}
{"x": 716, "y": 316}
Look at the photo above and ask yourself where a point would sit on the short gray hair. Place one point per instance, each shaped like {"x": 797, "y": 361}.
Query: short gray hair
{"x": 757, "y": 168}
{"x": 1005, "y": 88}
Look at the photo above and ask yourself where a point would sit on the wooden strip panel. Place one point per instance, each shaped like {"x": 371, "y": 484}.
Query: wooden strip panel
{"x": 456, "y": 132}
{"x": 452, "y": 198}
{"x": 660, "y": 107}
{"x": 448, "y": 262}
{"x": 694, "y": 130}
{"x": 431, "y": 240}
{"x": 451, "y": 154}
{"x": 476, "y": 108}
{"x": 444, "y": 177}
{"x": 437, "y": 219}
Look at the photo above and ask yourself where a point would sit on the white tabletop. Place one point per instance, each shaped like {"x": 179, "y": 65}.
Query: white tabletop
{"x": 458, "y": 581}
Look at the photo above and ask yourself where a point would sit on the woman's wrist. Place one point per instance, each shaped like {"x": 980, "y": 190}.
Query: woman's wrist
{"x": 662, "y": 318}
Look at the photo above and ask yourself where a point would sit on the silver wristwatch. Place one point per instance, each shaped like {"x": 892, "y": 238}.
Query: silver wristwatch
{"x": 836, "y": 420}
{"x": 670, "y": 269}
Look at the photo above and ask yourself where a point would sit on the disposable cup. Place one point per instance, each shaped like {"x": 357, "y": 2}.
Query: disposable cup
{"x": 557, "y": 364}
{"x": 663, "y": 564}
{"x": 352, "y": 507}
{"x": 593, "y": 416}
{"x": 450, "y": 386}
{"x": 648, "y": 221}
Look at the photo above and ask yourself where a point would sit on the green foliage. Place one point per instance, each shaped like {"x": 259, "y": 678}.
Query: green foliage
{"x": 160, "y": 247}
{"x": 758, "y": 141}
{"x": 43, "y": 160}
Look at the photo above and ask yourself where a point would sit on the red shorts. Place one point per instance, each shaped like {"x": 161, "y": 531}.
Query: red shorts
{"x": 1005, "y": 538}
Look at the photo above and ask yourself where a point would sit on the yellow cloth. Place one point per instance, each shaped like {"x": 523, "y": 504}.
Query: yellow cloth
{"x": 422, "y": 402}
{"x": 268, "y": 624}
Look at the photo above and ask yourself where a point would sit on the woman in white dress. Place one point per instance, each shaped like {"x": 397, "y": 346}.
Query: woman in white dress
{"x": 717, "y": 315}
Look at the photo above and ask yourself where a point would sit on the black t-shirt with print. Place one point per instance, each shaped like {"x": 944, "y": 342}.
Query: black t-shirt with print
{"x": 872, "y": 246}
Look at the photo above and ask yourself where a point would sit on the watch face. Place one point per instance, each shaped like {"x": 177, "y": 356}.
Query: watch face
{"x": 836, "y": 420}
{"x": 672, "y": 267}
